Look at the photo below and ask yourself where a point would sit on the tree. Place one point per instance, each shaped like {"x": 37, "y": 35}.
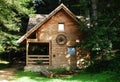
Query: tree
{"x": 13, "y": 24}
{"x": 104, "y": 33}
{"x": 47, "y": 6}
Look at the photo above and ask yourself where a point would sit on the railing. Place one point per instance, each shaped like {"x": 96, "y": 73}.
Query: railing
{"x": 38, "y": 59}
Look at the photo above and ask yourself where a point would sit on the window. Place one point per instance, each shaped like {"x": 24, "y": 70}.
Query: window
{"x": 61, "y": 27}
{"x": 71, "y": 51}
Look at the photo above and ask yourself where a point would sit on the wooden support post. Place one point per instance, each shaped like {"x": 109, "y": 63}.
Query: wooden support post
{"x": 27, "y": 45}
{"x": 50, "y": 53}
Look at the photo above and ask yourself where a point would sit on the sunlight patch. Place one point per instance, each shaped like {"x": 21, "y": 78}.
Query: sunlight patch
{"x": 60, "y": 80}
{"x": 4, "y": 62}
{"x": 24, "y": 79}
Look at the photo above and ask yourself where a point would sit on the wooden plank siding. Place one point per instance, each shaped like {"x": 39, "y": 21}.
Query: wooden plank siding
{"x": 38, "y": 59}
{"x": 47, "y": 31}
{"x": 33, "y": 59}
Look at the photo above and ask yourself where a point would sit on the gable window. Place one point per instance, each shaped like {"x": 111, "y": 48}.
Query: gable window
{"x": 61, "y": 27}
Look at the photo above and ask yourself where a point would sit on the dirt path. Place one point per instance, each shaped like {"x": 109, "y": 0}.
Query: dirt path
{"x": 7, "y": 74}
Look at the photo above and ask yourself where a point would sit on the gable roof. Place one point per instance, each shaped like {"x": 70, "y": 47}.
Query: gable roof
{"x": 35, "y": 19}
{"x": 62, "y": 6}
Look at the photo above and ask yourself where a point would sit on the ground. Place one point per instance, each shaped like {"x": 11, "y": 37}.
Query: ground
{"x": 12, "y": 74}
{"x": 7, "y": 74}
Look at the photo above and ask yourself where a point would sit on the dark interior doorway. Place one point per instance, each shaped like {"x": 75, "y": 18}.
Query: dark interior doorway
{"x": 38, "y": 49}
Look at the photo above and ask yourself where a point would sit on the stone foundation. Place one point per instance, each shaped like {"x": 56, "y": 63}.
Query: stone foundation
{"x": 37, "y": 68}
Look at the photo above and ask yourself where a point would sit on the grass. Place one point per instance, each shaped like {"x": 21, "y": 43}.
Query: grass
{"x": 81, "y": 77}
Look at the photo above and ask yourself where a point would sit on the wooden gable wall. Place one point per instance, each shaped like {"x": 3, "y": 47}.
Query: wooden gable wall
{"x": 49, "y": 31}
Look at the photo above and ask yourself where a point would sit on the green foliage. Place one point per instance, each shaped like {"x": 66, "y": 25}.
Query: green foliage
{"x": 3, "y": 66}
{"x": 59, "y": 70}
{"x": 103, "y": 38}
{"x": 81, "y": 77}
{"x": 13, "y": 22}
{"x": 106, "y": 34}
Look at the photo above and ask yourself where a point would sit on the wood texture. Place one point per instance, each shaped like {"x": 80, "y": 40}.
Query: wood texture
{"x": 47, "y": 31}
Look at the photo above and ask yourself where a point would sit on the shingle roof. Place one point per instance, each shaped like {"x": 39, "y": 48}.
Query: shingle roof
{"x": 35, "y": 19}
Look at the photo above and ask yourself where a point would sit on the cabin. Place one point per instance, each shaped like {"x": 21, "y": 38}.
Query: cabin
{"x": 51, "y": 39}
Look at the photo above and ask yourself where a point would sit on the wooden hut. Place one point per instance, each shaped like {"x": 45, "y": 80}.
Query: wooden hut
{"x": 51, "y": 39}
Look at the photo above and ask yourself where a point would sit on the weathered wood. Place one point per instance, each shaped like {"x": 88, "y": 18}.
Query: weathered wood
{"x": 38, "y": 58}
{"x": 46, "y": 31}
{"x": 46, "y": 72}
{"x": 27, "y": 45}
{"x": 38, "y": 55}
{"x": 47, "y": 63}
{"x": 50, "y": 53}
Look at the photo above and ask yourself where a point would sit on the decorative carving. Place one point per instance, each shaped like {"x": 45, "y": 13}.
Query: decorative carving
{"x": 61, "y": 39}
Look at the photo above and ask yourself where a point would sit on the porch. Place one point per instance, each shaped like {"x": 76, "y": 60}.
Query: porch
{"x": 38, "y": 53}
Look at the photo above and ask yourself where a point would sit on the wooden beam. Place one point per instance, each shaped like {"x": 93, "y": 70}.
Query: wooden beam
{"x": 38, "y": 55}
{"x": 50, "y": 53}
{"x": 46, "y": 72}
{"x": 27, "y": 45}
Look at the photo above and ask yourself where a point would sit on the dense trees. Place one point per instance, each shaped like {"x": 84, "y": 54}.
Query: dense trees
{"x": 13, "y": 22}
{"x": 46, "y": 6}
{"x": 102, "y": 39}
{"x": 104, "y": 35}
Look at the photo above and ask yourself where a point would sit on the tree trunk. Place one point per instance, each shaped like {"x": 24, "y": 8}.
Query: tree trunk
{"x": 94, "y": 12}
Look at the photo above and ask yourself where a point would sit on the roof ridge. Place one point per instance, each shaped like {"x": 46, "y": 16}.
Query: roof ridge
{"x": 46, "y": 19}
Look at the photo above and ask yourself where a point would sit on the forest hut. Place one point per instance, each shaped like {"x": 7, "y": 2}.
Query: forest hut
{"x": 51, "y": 39}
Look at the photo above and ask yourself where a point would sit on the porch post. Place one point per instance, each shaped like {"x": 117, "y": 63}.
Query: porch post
{"x": 50, "y": 52}
{"x": 27, "y": 44}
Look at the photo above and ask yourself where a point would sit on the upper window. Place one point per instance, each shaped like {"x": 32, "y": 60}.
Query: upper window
{"x": 61, "y": 27}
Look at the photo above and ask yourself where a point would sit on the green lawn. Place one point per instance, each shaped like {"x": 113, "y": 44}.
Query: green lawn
{"x": 81, "y": 77}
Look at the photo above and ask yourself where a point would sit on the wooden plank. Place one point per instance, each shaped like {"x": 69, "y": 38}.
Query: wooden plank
{"x": 27, "y": 44}
{"x": 50, "y": 53}
{"x": 36, "y": 62}
{"x": 46, "y": 72}
{"x": 45, "y": 62}
{"x": 36, "y": 41}
{"x": 38, "y": 55}
{"x": 38, "y": 59}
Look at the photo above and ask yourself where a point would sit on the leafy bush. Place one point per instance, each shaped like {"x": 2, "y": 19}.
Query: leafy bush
{"x": 13, "y": 56}
{"x": 106, "y": 65}
{"x": 59, "y": 70}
